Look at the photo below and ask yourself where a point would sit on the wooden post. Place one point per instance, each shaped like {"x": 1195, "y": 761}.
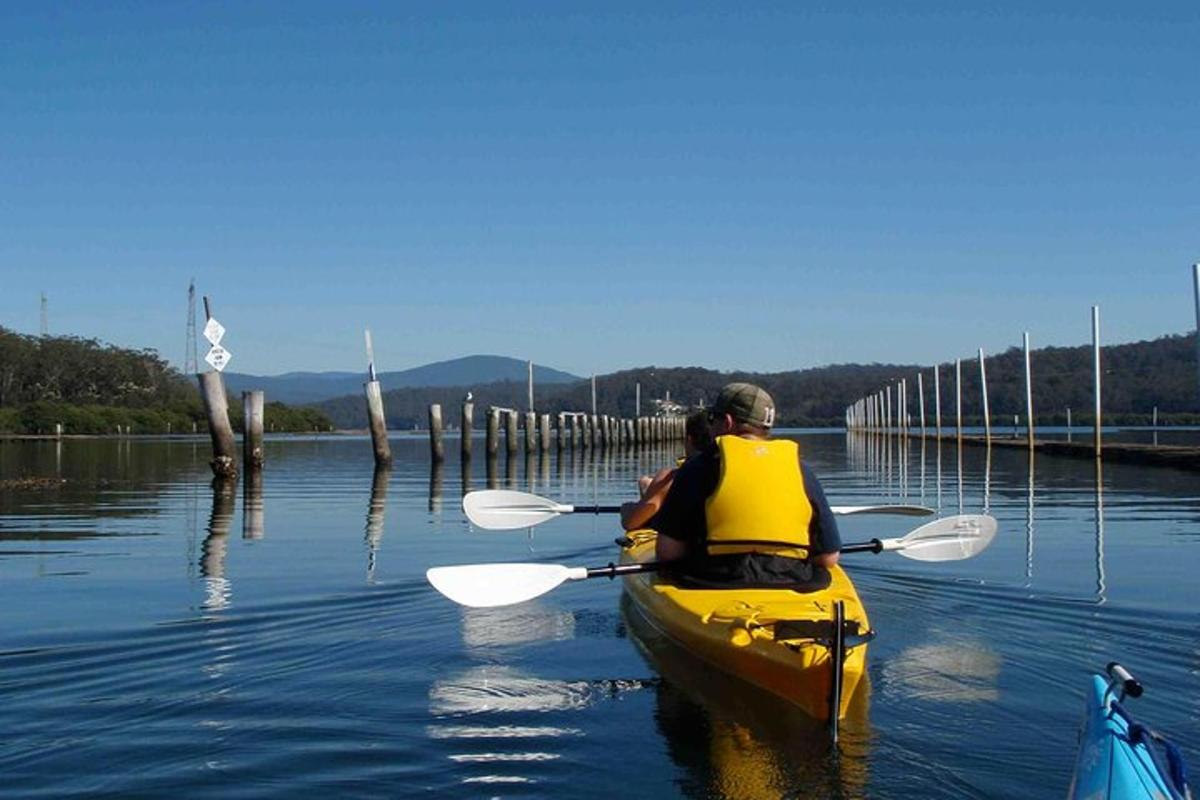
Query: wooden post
{"x": 1028, "y": 393}
{"x": 594, "y": 425}
{"x": 437, "y": 450}
{"x": 216, "y": 408}
{"x": 1096, "y": 373}
{"x": 987, "y": 416}
{"x": 530, "y": 408}
{"x": 252, "y": 429}
{"x": 958, "y": 399}
{"x": 468, "y": 428}
{"x": 530, "y": 431}
{"x": 572, "y": 430}
{"x": 593, "y": 400}
{"x": 921, "y": 401}
{"x": 544, "y": 439}
{"x": 1068, "y": 423}
{"x": 510, "y": 431}
{"x": 378, "y": 424}
{"x": 560, "y": 440}
{"x": 493, "y": 432}
{"x": 637, "y": 395}
{"x": 890, "y": 418}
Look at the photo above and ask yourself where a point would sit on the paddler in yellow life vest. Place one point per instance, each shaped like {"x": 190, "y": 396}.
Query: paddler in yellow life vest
{"x": 747, "y": 512}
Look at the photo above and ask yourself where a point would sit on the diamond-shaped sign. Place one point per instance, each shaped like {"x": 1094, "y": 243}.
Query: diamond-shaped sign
{"x": 213, "y": 331}
{"x": 218, "y": 357}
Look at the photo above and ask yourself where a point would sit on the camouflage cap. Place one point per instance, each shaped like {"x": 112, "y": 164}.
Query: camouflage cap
{"x": 746, "y": 403}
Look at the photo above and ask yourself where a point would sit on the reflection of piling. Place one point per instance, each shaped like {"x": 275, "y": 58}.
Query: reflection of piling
{"x": 466, "y": 477}
{"x": 216, "y": 543}
{"x": 377, "y": 423}
{"x": 435, "y": 485}
{"x": 468, "y": 427}
{"x": 493, "y": 432}
{"x": 510, "y": 473}
{"x": 374, "y": 530}
{"x": 252, "y": 505}
{"x": 492, "y": 481}
{"x": 216, "y": 408}
{"x": 252, "y": 429}
{"x": 530, "y": 432}
{"x": 437, "y": 448}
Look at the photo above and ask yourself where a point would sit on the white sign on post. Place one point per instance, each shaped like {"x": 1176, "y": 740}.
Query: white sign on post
{"x": 218, "y": 357}
{"x": 213, "y": 331}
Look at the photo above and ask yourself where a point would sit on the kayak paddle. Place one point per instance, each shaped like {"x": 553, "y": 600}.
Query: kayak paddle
{"x": 504, "y": 509}
{"x": 488, "y": 585}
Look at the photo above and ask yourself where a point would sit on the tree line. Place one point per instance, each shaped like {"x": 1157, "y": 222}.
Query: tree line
{"x": 91, "y": 387}
{"x": 1137, "y": 377}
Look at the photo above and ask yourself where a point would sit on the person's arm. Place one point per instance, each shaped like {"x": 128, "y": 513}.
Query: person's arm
{"x": 680, "y": 520}
{"x": 825, "y": 541}
{"x": 635, "y": 515}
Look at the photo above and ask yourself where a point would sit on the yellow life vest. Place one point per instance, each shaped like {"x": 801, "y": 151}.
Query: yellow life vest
{"x": 760, "y": 504}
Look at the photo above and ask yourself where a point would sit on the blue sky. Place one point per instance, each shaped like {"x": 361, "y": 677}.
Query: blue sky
{"x": 760, "y": 186}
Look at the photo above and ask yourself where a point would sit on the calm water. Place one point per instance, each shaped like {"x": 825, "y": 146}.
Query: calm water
{"x": 157, "y": 638}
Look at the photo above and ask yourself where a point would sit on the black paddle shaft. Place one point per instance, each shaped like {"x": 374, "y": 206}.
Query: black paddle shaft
{"x": 613, "y": 570}
{"x": 873, "y": 546}
{"x": 596, "y": 509}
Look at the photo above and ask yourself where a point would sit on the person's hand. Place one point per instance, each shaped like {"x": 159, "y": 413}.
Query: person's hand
{"x": 643, "y": 484}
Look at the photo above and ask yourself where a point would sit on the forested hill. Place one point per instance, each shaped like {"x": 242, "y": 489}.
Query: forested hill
{"x": 1137, "y": 377}
{"x": 93, "y": 387}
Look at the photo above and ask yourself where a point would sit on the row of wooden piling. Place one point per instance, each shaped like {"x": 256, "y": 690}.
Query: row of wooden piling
{"x": 570, "y": 429}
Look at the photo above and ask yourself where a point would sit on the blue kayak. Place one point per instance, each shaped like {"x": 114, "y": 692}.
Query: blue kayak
{"x": 1120, "y": 759}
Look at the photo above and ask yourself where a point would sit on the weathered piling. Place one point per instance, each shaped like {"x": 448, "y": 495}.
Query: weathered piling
{"x": 560, "y": 438}
{"x": 468, "y": 427}
{"x": 437, "y": 449}
{"x": 216, "y": 408}
{"x": 544, "y": 433}
{"x": 492, "y": 445}
{"x": 594, "y": 422}
{"x": 375, "y": 417}
{"x": 510, "y": 431}
{"x": 252, "y": 429}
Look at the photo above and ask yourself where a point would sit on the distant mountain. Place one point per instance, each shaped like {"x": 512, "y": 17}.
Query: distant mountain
{"x": 314, "y": 387}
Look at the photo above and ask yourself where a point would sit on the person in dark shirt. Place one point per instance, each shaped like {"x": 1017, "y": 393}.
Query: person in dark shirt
{"x": 747, "y": 494}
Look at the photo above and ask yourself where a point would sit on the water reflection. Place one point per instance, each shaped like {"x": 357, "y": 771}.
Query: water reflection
{"x": 252, "y": 505}
{"x": 736, "y": 741}
{"x": 436, "y": 474}
{"x": 1029, "y": 521}
{"x": 959, "y": 671}
{"x": 373, "y": 533}
{"x": 218, "y": 591}
{"x": 515, "y": 625}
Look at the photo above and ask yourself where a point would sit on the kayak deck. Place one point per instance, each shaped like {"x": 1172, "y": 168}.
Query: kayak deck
{"x": 1110, "y": 763}
{"x": 777, "y": 639}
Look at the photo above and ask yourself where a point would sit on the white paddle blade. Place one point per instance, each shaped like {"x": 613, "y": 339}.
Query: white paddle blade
{"x": 490, "y": 585}
{"x": 903, "y": 511}
{"x": 947, "y": 539}
{"x": 505, "y": 510}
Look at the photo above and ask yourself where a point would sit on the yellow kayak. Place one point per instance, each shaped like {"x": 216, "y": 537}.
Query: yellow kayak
{"x": 778, "y": 639}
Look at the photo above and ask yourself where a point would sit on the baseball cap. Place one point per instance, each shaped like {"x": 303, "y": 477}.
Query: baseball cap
{"x": 746, "y": 403}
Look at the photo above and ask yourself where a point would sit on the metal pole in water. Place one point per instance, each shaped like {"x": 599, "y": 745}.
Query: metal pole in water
{"x": 987, "y": 417}
{"x": 937, "y": 400}
{"x": 1028, "y": 393}
{"x": 1096, "y": 373}
{"x": 958, "y": 398}
{"x": 921, "y": 401}
{"x": 1196, "y": 288}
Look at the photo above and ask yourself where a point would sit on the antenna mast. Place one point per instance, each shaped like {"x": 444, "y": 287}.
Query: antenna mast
{"x": 190, "y": 360}
{"x": 45, "y": 316}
